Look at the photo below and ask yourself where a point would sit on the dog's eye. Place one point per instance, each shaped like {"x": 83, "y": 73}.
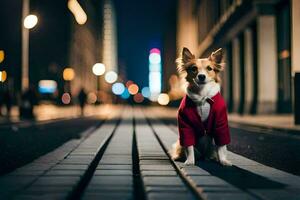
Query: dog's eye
{"x": 193, "y": 69}
{"x": 208, "y": 68}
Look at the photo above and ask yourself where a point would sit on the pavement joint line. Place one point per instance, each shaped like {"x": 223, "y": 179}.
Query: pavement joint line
{"x": 187, "y": 180}
{"x": 139, "y": 190}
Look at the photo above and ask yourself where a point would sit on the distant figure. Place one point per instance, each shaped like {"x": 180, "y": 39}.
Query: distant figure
{"x": 28, "y": 100}
{"x": 82, "y": 96}
{"x": 7, "y": 100}
{"x": 1, "y": 101}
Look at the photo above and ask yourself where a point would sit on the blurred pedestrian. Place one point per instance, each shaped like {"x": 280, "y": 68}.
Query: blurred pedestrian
{"x": 28, "y": 100}
{"x": 82, "y": 97}
{"x": 7, "y": 100}
{"x": 1, "y": 101}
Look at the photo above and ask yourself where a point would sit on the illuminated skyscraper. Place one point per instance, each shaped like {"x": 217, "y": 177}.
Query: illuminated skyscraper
{"x": 110, "y": 55}
{"x": 154, "y": 73}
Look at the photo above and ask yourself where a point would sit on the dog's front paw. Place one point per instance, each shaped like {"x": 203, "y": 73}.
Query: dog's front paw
{"x": 190, "y": 161}
{"x": 225, "y": 162}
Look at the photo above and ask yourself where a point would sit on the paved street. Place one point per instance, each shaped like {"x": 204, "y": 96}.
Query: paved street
{"x": 124, "y": 155}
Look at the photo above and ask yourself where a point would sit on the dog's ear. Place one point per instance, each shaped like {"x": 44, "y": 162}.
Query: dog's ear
{"x": 187, "y": 55}
{"x": 216, "y": 56}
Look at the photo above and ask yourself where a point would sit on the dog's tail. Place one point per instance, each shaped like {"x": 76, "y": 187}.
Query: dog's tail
{"x": 177, "y": 151}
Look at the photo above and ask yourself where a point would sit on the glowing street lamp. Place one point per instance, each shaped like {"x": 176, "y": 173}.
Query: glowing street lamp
{"x": 98, "y": 69}
{"x": 30, "y": 21}
{"x": 68, "y": 76}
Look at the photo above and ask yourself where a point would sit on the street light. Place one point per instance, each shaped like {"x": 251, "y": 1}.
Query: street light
{"x": 98, "y": 69}
{"x": 68, "y": 76}
{"x": 29, "y": 21}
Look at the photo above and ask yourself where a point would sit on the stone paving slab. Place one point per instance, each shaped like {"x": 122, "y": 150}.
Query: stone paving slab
{"x": 168, "y": 195}
{"x": 162, "y": 173}
{"x": 109, "y": 196}
{"x": 114, "y": 167}
{"x": 113, "y": 172}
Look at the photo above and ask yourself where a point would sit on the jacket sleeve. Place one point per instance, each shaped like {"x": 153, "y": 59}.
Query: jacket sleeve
{"x": 221, "y": 133}
{"x": 186, "y": 131}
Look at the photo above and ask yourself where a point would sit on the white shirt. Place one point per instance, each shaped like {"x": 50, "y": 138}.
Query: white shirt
{"x": 200, "y": 99}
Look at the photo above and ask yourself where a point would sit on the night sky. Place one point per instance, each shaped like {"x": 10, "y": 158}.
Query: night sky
{"x": 141, "y": 26}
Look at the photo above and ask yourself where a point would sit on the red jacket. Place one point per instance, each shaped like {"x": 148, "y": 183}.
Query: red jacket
{"x": 191, "y": 127}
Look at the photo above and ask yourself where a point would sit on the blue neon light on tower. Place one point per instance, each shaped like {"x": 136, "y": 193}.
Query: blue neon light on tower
{"x": 154, "y": 73}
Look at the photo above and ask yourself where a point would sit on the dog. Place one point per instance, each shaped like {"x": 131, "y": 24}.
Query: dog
{"x": 202, "y": 115}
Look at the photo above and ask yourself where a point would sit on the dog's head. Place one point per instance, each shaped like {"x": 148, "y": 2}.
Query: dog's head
{"x": 200, "y": 71}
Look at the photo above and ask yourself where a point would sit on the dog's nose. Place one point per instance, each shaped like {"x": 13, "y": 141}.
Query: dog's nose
{"x": 201, "y": 77}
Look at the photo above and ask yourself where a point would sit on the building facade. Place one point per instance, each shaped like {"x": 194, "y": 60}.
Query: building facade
{"x": 260, "y": 39}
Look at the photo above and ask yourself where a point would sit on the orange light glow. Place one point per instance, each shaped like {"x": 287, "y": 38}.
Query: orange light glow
{"x": 284, "y": 54}
{"x": 3, "y": 76}
{"x": 68, "y": 74}
{"x": 2, "y": 56}
{"x": 133, "y": 89}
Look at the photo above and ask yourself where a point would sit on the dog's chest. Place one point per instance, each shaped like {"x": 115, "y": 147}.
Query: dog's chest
{"x": 203, "y": 111}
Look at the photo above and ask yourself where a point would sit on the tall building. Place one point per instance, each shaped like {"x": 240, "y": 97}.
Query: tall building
{"x": 260, "y": 39}
{"x": 110, "y": 52}
{"x": 85, "y": 46}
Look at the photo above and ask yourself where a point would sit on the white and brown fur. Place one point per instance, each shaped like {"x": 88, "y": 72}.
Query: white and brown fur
{"x": 203, "y": 80}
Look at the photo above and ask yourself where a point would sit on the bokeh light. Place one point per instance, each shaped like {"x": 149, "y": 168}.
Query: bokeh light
{"x": 91, "y": 98}
{"x": 125, "y": 94}
{"x": 66, "y": 98}
{"x": 118, "y": 88}
{"x": 133, "y": 89}
{"x": 2, "y": 56}
{"x": 3, "y": 76}
{"x": 138, "y": 98}
{"x": 98, "y": 69}
{"x": 111, "y": 77}
{"x": 47, "y": 86}
{"x": 30, "y": 21}
{"x": 154, "y": 58}
{"x": 163, "y": 99}
{"x": 146, "y": 92}
{"x": 155, "y": 50}
{"x": 128, "y": 83}
{"x": 68, "y": 74}
{"x": 78, "y": 12}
